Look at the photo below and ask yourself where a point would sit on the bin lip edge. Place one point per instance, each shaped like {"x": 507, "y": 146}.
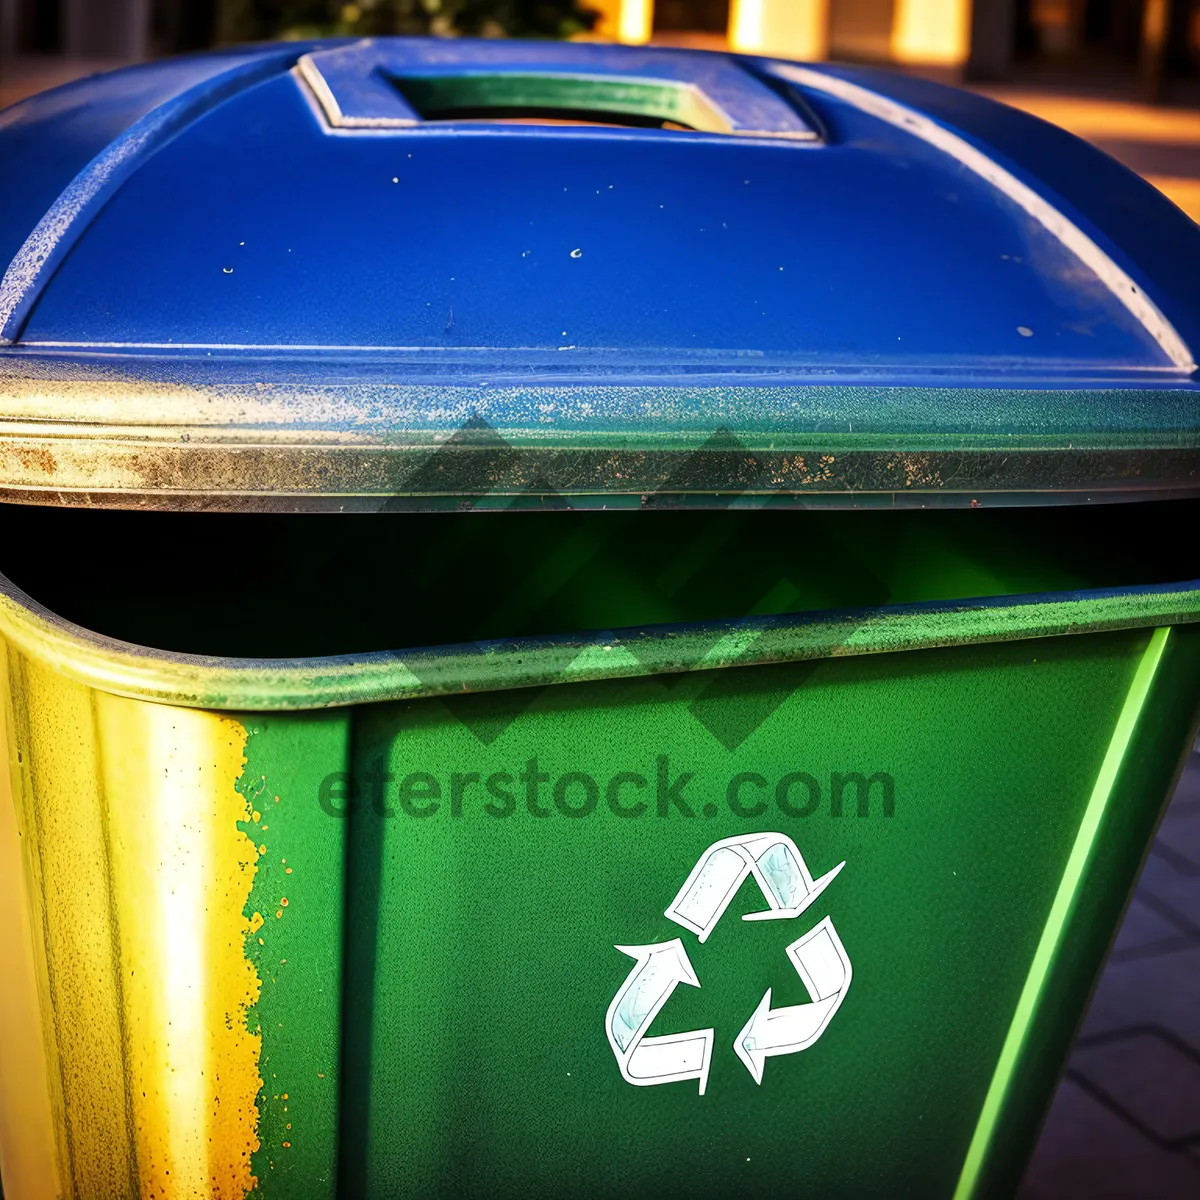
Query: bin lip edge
{"x": 366, "y": 444}
{"x": 295, "y": 684}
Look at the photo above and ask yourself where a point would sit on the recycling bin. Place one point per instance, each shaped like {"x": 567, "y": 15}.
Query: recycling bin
{"x": 575, "y": 620}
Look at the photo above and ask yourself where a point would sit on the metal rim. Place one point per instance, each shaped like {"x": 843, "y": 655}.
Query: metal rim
{"x": 229, "y": 684}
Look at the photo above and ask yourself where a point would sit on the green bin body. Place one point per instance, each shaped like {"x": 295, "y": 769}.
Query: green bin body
{"x": 442, "y": 901}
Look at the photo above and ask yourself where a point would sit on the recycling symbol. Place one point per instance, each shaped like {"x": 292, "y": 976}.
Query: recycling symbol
{"x": 818, "y": 957}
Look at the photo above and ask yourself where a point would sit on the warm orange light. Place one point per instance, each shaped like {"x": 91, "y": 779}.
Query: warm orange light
{"x": 936, "y": 32}
{"x": 746, "y": 25}
{"x": 787, "y": 28}
{"x": 608, "y": 24}
{"x": 635, "y": 22}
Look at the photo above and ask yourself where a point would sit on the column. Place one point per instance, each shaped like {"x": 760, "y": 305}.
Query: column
{"x": 784, "y": 28}
{"x": 934, "y": 33}
{"x": 106, "y": 29}
{"x": 628, "y": 21}
{"x": 993, "y": 34}
{"x": 1152, "y": 57}
{"x": 8, "y": 29}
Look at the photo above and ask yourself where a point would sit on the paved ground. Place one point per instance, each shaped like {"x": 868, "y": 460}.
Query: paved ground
{"x": 1126, "y": 1120}
{"x": 1161, "y": 144}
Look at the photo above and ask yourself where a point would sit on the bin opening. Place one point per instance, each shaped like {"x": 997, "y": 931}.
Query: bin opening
{"x": 552, "y": 116}
{"x": 562, "y": 99}
{"x": 283, "y": 585}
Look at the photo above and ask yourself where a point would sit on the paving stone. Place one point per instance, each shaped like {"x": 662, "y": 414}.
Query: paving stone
{"x": 1087, "y": 1152}
{"x": 1180, "y": 835}
{"x": 1153, "y": 1079}
{"x": 1163, "y": 990}
{"x": 1153, "y": 978}
{"x": 1187, "y": 791}
{"x": 1146, "y": 931}
{"x": 1178, "y": 888}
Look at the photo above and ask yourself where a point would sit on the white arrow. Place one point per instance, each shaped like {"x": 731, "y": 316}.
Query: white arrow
{"x": 820, "y": 960}
{"x": 777, "y": 866}
{"x": 645, "y": 1061}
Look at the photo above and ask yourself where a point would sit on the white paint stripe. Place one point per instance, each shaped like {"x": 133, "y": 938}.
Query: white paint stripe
{"x": 306, "y": 72}
{"x": 1041, "y": 210}
{"x": 720, "y": 361}
{"x": 365, "y": 347}
{"x": 178, "y": 802}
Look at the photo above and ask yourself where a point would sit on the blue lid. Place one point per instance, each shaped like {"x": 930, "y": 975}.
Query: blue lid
{"x": 335, "y": 259}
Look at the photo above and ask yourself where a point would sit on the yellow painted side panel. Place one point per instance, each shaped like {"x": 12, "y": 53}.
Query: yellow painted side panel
{"x": 28, "y": 1159}
{"x": 134, "y": 883}
{"x": 182, "y": 872}
{"x": 64, "y": 816}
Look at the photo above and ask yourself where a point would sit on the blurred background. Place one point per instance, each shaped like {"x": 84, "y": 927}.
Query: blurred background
{"x": 1123, "y": 73}
{"x": 1156, "y": 40}
{"x": 1147, "y": 45}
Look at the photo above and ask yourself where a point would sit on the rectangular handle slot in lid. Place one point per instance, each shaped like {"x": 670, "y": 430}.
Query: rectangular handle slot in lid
{"x": 404, "y": 83}
{"x": 580, "y": 99}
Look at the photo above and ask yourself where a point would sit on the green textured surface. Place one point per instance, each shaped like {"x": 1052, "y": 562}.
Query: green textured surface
{"x": 300, "y": 959}
{"x": 480, "y": 949}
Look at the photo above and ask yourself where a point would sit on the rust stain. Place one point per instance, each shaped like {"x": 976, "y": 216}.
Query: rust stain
{"x": 37, "y": 458}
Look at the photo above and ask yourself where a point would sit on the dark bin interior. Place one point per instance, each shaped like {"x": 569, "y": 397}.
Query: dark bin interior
{"x": 304, "y": 585}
